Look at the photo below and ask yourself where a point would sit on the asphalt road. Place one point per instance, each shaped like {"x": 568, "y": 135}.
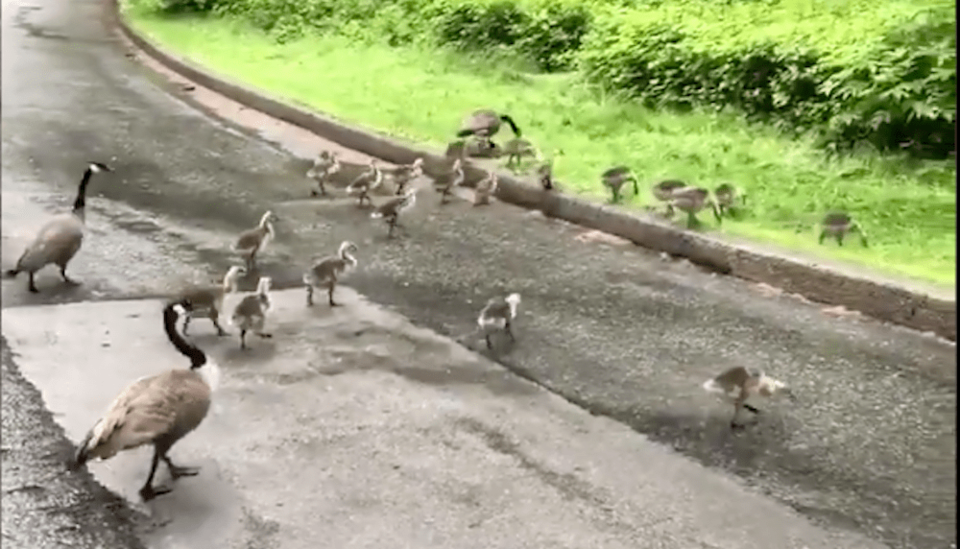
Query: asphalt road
{"x": 613, "y": 329}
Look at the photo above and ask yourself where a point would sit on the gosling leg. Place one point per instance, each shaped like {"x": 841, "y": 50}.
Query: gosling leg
{"x": 330, "y": 288}
{"x": 309, "y": 295}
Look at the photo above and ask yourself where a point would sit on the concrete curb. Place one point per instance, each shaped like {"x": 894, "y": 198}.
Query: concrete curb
{"x": 882, "y": 300}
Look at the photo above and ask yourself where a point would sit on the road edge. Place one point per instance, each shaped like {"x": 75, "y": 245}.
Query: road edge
{"x": 885, "y": 301}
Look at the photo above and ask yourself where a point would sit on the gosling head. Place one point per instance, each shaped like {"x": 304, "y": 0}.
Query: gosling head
{"x": 347, "y": 246}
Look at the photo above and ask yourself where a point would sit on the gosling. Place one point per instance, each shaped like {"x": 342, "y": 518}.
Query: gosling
{"x": 207, "y": 302}
{"x": 391, "y": 209}
{"x": 157, "y": 410}
{"x": 254, "y": 241}
{"x": 838, "y": 225}
{"x": 486, "y": 187}
{"x": 329, "y": 270}
{"x": 691, "y": 200}
{"x": 403, "y": 175}
{"x": 366, "y": 182}
{"x": 445, "y": 183}
{"x": 729, "y": 199}
{"x": 737, "y": 385}
{"x": 498, "y": 315}
{"x": 59, "y": 239}
{"x": 251, "y": 313}
{"x": 326, "y": 164}
{"x": 615, "y": 178}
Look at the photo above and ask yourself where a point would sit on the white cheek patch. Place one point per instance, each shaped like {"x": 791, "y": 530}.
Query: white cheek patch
{"x": 95, "y": 169}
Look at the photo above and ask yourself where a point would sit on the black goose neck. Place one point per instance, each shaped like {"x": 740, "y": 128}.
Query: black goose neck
{"x": 196, "y": 356}
{"x": 81, "y": 201}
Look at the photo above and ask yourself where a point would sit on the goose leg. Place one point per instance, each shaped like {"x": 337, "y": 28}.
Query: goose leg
{"x": 823, "y": 235}
{"x": 67, "y": 279}
{"x": 751, "y": 408}
{"x": 243, "y": 339}
{"x": 489, "y": 343}
{"x": 509, "y": 331}
{"x": 215, "y": 318}
{"x": 148, "y": 492}
{"x": 178, "y": 471}
{"x": 30, "y": 284}
{"x": 330, "y": 288}
{"x": 309, "y": 295}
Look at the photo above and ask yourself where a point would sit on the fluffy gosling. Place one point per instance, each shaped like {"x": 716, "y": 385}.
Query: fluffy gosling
{"x": 615, "y": 178}
{"x": 444, "y": 183}
{"x": 391, "y": 209}
{"x": 737, "y": 385}
{"x": 328, "y": 270}
{"x": 837, "y": 225}
{"x": 366, "y": 182}
{"x": 325, "y": 165}
{"x": 403, "y": 175}
{"x": 486, "y": 187}
{"x": 250, "y": 315}
{"x": 252, "y": 242}
{"x": 498, "y": 315}
{"x": 207, "y": 301}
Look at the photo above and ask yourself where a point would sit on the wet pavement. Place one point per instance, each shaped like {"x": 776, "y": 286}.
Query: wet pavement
{"x": 611, "y": 328}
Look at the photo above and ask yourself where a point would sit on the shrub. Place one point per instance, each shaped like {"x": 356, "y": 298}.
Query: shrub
{"x": 898, "y": 90}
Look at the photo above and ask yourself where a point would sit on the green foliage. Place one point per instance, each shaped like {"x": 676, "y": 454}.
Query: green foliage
{"x": 899, "y": 92}
{"x": 853, "y": 71}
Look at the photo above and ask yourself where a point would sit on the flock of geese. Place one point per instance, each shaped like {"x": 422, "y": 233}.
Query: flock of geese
{"x": 160, "y": 410}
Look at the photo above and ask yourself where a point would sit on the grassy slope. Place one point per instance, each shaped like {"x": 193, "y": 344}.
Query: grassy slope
{"x": 909, "y": 212}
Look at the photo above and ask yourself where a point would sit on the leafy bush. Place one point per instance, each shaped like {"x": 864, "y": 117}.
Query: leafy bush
{"x": 898, "y": 90}
{"x": 853, "y": 70}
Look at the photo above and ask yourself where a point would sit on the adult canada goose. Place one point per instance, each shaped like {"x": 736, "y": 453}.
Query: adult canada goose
{"x": 615, "y": 178}
{"x": 328, "y": 270}
{"x": 253, "y": 241}
{"x": 366, "y": 182}
{"x": 445, "y": 182}
{"x": 157, "y": 410}
{"x": 325, "y": 165}
{"x": 486, "y": 123}
{"x": 497, "y": 315}
{"x": 251, "y": 313}
{"x": 486, "y": 187}
{"x": 207, "y": 301}
{"x": 60, "y": 238}
{"x": 516, "y": 149}
{"x": 737, "y": 385}
{"x": 391, "y": 209}
{"x": 403, "y": 175}
{"x": 838, "y": 224}
{"x": 729, "y": 199}
{"x": 691, "y": 200}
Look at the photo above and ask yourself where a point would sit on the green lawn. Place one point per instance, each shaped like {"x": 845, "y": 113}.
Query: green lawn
{"x": 907, "y": 208}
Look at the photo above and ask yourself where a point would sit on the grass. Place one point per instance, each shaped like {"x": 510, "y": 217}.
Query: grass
{"x": 908, "y": 208}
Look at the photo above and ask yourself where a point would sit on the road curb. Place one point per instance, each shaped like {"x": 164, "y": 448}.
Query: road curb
{"x": 882, "y": 300}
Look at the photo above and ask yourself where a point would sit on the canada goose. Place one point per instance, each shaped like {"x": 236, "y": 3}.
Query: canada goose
{"x": 497, "y": 315}
{"x": 615, "y": 178}
{"x": 444, "y": 183}
{"x": 251, "y": 313}
{"x": 838, "y": 224}
{"x": 485, "y": 123}
{"x": 60, "y": 238}
{"x": 158, "y": 410}
{"x": 729, "y": 199}
{"x": 326, "y": 164}
{"x": 253, "y": 241}
{"x": 207, "y": 302}
{"x": 366, "y": 182}
{"x": 516, "y": 149}
{"x": 329, "y": 270}
{"x": 403, "y": 175}
{"x": 391, "y": 209}
{"x": 691, "y": 200}
{"x": 739, "y": 384}
{"x": 485, "y": 188}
